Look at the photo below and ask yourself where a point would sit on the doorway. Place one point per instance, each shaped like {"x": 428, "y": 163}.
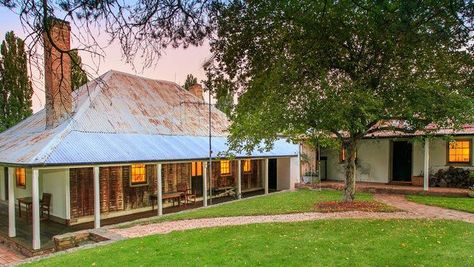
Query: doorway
{"x": 272, "y": 174}
{"x": 196, "y": 178}
{"x": 402, "y": 161}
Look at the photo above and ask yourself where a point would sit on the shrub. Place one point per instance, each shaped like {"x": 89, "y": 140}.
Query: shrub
{"x": 452, "y": 177}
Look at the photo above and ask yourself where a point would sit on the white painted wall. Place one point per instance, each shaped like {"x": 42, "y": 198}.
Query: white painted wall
{"x": 56, "y": 182}
{"x": 283, "y": 173}
{"x": 2, "y": 184}
{"x": 295, "y": 172}
{"x": 374, "y": 159}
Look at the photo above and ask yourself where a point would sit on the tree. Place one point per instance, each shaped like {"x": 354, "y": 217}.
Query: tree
{"x": 78, "y": 75}
{"x": 15, "y": 87}
{"x": 344, "y": 70}
{"x": 190, "y": 81}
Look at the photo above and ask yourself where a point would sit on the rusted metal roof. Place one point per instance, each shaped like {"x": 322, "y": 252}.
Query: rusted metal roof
{"x": 121, "y": 118}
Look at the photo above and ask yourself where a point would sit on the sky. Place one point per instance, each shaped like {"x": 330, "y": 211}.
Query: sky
{"x": 173, "y": 66}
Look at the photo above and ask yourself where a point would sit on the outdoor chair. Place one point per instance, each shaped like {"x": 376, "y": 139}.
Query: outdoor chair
{"x": 188, "y": 195}
{"x": 45, "y": 205}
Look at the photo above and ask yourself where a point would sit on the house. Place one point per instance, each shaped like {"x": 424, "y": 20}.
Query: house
{"x": 392, "y": 157}
{"x": 106, "y": 149}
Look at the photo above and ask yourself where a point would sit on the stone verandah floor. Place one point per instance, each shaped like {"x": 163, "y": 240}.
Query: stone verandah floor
{"x": 410, "y": 211}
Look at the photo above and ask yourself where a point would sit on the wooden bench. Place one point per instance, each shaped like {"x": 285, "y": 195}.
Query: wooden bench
{"x": 176, "y": 196}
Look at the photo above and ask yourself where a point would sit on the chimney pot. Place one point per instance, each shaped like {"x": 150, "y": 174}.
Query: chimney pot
{"x": 57, "y": 68}
{"x": 196, "y": 89}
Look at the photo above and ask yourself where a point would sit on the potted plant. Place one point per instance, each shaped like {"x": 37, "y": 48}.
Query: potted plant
{"x": 310, "y": 177}
{"x": 417, "y": 180}
{"x": 470, "y": 192}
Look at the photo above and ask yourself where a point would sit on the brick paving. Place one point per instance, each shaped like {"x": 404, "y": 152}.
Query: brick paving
{"x": 409, "y": 211}
{"x": 8, "y": 256}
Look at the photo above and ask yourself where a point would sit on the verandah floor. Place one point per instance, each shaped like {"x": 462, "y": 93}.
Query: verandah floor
{"x": 405, "y": 189}
{"x": 49, "y": 229}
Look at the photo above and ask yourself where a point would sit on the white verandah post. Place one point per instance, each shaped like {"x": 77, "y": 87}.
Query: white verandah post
{"x": 96, "y": 198}
{"x": 36, "y": 209}
{"x": 11, "y": 203}
{"x": 265, "y": 176}
{"x": 239, "y": 179}
{"x": 159, "y": 194}
{"x": 204, "y": 185}
{"x": 426, "y": 165}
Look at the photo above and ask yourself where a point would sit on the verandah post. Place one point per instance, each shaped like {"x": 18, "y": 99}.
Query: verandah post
{"x": 96, "y": 198}
{"x": 239, "y": 179}
{"x": 426, "y": 166}
{"x": 36, "y": 209}
{"x": 204, "y": 185}
{"x": 11, "y": 203}
{"x": 265, "y": 176}
{"x": 159, "y": 194}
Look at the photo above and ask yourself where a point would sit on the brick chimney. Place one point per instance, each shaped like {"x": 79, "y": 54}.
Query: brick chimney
{"x": 57, "y": 72}
{"x": 196, "y": 89}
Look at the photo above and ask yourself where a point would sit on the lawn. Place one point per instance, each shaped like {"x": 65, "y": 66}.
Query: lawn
{"x": 302, "y": 200}
{"x": 455, "y": 203}
{"x": 316, "y": 243}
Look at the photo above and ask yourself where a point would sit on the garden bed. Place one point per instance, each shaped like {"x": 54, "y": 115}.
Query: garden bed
{"x": 357, "y": 205}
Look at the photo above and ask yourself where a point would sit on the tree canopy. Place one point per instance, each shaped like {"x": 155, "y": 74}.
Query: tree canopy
{"x": 344, "y": 69}
{"x": 190, "y": 81}
{"x": 78, "y": 75}
{"x": 15, "y": 86}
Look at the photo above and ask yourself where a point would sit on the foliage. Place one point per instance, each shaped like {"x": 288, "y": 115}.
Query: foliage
{"x": 314, "y": 243}
{"x": 345, "y": 69}
{"x": 78, "y": 75}
{"x": 455, "y": 203}
{"x": 190, "y": 81}
{"x": 16, "y": 90}
{"x": 278, "y": 203}
{"x": 452, "y": 177}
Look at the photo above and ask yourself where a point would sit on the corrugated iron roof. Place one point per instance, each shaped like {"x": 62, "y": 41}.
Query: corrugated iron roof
{"x": 122, "y": 118}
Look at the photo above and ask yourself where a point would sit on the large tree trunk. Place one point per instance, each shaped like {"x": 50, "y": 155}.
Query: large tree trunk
{"x": 349, "y": 188}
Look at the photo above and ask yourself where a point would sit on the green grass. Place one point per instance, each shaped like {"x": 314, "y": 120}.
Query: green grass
{"x": 277, "y": 203}
{"x": 316, "y": 243}
{"x": 455, "y": 203}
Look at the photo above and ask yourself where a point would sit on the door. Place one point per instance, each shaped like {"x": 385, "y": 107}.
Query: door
{"x": 196, "y": 178}
{"x": 401, "y": 161}
{"x": 272, "y": 174}
{"x": 323, "y": 164}
{"x": 5, "y": 173}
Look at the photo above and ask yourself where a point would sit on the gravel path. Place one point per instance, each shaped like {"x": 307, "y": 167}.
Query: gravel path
{"x": 410, "y": 211}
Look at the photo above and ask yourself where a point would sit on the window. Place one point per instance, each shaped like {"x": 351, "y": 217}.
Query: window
{"x": 196, "y": 169}
{"x": 21, "y": 177}
{"x": 459, "y": 151}
{"x": 138, "y": 176}
{"x": 247, "y": 165}
{"x": 342, "y": 155}
{"x": 225, "y": 167}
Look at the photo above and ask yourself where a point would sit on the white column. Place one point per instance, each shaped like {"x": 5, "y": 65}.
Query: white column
{"x": 159, "y": 194}
{"x": 11, "y": 203}
{"x": 239, "y": 179}
{"x": 36, "y": 209}
{"x": 426, "y": 165}
{"x": 265, "y": 176}
{"x": 96, "y": 198}
{"x": 204, "y": 185}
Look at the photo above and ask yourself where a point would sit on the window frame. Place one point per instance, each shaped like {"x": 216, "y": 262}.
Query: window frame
{"x": 138, "y": 184}
{"x": 18, "y": 184}
{"x": 229, "y": 168}
{"x": 462, "y": 163}
{"x": 249, "y": 166}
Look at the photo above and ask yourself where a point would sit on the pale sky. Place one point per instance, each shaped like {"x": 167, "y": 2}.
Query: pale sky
{"x": 174, "y": 65}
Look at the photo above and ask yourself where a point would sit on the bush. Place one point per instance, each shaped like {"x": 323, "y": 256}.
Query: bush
{"x": 453, "y": 177}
